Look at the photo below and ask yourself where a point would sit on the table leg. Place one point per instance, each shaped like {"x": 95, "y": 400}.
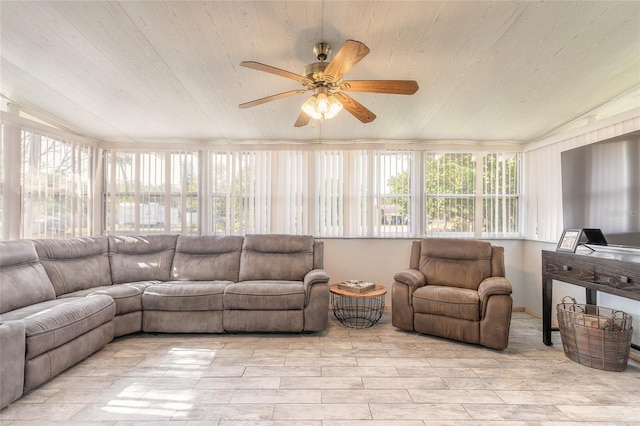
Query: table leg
{"x": 547, "y": 292}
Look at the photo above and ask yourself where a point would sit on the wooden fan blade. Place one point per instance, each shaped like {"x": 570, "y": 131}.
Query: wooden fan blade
{"x": 355, "y": 108}
{"x": 398, "y": 87}
{"x": 349, "y": 54}
{"x": 272, "y": 98}
{"x": 303, "y": 119}
{"x": 273, "y": 70}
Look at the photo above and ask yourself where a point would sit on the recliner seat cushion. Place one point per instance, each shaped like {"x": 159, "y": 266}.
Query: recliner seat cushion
{"x": 184, "y": 296}
{"x": 207, "y": 258}
{"x": 264, "y": 295}
{"x": 53, "y": 323}
{"x": 448, "y": 302}
{"x": 74, "y": 264}
{"x": 128, "y": 297}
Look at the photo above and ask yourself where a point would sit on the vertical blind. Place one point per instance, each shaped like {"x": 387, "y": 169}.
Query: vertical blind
{"x": 326, "y": 193}
{"x": 151, "y": 192}
{"x": 450, "y": 193}
{"x": 56, "y": 180}
{"x": 501, "y": 174}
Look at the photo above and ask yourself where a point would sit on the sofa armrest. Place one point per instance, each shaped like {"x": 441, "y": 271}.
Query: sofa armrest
{"x": 411, "y": 277}
{"x": 490, "y": 287}
{"x": 315, "y": 276}
{"x": 12, "y": 353}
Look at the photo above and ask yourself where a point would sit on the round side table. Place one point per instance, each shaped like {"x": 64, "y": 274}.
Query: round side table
{"x": 357, "y": 310}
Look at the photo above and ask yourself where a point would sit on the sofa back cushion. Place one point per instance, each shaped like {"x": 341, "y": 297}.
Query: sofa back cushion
{"x": 455, "y": 262}
{"x": 276, "y": 257}
{"x": 23, "y": 280}
{"x": 141, "y": 258}
{"x": 74, "y": 264}
{"x": 318, "y": 254}
{"x": 207, "y": 258}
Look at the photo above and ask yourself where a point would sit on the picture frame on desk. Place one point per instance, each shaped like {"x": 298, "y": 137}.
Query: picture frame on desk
{"x": 569, "y": 240}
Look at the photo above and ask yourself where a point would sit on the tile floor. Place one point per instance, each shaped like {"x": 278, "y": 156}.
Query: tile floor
{"x": 375, "y": 376}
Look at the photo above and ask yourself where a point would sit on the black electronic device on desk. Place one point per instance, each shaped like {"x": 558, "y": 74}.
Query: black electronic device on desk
{"x": 594, "y": 237}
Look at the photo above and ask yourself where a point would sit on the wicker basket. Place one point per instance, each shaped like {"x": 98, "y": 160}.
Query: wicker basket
{"x": 595, "y": 336}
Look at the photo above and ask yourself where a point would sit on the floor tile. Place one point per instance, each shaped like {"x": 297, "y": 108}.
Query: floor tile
{"x": 378, "y": 376}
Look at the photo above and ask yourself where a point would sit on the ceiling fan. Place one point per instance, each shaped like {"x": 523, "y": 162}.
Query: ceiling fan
{"x": 324, "y": 79}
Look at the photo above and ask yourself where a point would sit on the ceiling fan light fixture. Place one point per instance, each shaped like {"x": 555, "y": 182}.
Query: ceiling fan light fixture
{"x": 322, "y": 106}
{"x": 309, "y": 107}
{"x": 322, "y": 102}
{"x": 334, "y": 107}
{"x": 325, "y": 80}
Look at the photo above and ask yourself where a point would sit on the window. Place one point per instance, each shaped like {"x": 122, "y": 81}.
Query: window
{"x": 450, "y": 193}
{"x": 397, "y": 193}
{"x": 462, "y": 202}
{"x": 56, "y": 184}
{"x": 500, "y": 195}
{"x": 147, "y": 192}
{"x": 240, "y": 186}
{"x": 330, "y": 191}
{"x": 356, "y": 192}
{"x": 364, "y": 193}
{"x": 393, "y": 193}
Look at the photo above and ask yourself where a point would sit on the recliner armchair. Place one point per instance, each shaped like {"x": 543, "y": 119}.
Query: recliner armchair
{"x": 454, "y": 288}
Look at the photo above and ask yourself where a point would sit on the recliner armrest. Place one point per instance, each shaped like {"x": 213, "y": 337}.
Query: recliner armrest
{"x": 315, "y": 276}
{"x": 411, "y": 277}
{"x": 494, "y": 285}
{"x": 490, "y": 287}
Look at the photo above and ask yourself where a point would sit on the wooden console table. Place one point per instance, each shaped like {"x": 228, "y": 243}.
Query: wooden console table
{"x": 605, "y": 271}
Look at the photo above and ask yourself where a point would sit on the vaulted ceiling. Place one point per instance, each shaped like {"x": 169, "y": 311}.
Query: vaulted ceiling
{"x": 167, "y": 71}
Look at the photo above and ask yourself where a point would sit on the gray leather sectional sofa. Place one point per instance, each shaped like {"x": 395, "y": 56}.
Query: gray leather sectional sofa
{"x": 63, "y": 299}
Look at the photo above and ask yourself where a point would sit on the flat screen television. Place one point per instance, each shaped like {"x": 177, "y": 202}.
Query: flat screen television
{"x": 601, "y": 188}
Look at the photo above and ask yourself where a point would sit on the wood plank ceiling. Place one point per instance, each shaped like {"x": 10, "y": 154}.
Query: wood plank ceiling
{"x": 165, "y": 71}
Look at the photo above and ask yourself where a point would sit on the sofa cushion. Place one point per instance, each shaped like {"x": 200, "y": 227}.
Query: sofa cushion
{"x": 75, "y": 263}
{"x": 141, "y": 258}
{"x": 207, "y": 258}
{"x": 55, "y": 322}
{"x": 455, "y": 262}
{"x": 447, "y": 301}
{"x": 264, "y": 295}
{"x": 285, "y": 258}
{"x": 184, "y": 296}
{"x": 128, "y": 297}
{"x": 23, "y": 280}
